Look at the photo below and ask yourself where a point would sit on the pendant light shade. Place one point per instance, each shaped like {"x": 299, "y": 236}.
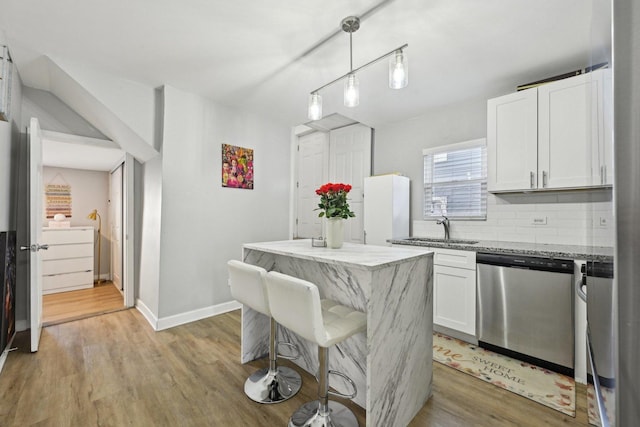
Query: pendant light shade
{"x": 398, "y": 70}
{"x": 315, "y": 106}
{"x": 351, "y": 91}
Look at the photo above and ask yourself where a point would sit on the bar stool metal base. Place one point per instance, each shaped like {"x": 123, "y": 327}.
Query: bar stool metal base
{"x": 265, "y": 386}
{"x": 339, "y": 416}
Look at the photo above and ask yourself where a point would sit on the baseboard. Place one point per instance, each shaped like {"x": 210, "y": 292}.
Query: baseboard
{"x": 192, "y": 316}
{"x": 147, "y": 314}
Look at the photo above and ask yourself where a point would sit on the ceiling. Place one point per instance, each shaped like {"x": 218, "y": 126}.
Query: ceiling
{"x": 266, "y": 56}
{"x": 64, "y": 151}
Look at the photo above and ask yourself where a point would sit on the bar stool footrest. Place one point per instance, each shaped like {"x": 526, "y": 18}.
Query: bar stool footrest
{"x": 294, "y": 348}
{"x": 349, "y": 380}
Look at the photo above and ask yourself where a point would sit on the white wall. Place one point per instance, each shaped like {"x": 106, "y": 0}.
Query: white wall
{"x": 131, "y": 102}
{"x": 572, "y": 217}
{"x": 203, "y": 224}
{"x": 148, "y": 215}
{"x": 398, "y": 146}
{"x": 89, "y": 191}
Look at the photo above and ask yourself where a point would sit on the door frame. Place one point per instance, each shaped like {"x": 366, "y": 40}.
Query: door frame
{"x": 128, "y": 228}
{"x": 128, "y": 214}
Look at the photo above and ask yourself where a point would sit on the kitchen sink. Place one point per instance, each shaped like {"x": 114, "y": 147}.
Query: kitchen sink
{"x": 448, "y": 241}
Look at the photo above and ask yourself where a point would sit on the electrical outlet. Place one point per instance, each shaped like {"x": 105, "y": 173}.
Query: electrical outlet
{"x": 539, "y": 220}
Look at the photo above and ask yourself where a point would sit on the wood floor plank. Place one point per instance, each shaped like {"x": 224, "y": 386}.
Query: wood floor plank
{"x": 114, "y": 370}
{"x": 73, "y": 305}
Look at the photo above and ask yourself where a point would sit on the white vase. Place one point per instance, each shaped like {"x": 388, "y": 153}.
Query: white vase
{"x": 335, "y": 232}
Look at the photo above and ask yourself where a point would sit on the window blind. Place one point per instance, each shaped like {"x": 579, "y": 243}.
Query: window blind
{"x": 455, "y": 181}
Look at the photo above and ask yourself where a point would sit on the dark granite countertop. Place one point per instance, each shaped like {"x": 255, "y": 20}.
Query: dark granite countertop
{"x": 576, "y": 252}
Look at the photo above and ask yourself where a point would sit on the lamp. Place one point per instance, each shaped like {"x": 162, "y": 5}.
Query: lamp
{"x": 398, "y": 73}
{"x": 92, "y": 216}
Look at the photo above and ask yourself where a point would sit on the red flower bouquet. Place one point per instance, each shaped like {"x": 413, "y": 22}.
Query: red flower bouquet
{"x": 333, "y": 201}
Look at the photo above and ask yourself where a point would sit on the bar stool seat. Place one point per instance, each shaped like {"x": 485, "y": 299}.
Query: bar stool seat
{"x": 296, "y": 305}
{"x": 276, "y": 383}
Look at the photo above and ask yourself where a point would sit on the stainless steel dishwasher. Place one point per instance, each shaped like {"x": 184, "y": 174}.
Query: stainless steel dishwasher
{"x": 525, "y": 308}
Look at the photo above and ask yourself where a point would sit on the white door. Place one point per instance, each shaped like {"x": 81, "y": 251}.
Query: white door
{"x": 313, "y": 171}
{"x": 115, "y": 220}
{"x": 35, "y": 231}
{"x": 350, "y": 163}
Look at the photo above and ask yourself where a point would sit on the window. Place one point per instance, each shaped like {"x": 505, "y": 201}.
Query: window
{"x": 455, "y": 181}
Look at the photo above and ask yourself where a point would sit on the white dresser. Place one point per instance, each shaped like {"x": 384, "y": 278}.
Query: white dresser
{"x": 68, "y": 264}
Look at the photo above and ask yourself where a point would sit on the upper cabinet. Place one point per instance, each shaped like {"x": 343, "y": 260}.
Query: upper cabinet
{"x": 551, "y": 137}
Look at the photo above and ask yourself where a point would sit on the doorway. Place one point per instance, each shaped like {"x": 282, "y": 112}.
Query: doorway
{"x": 95, "y": 197}
{"x": 341, "y": 154}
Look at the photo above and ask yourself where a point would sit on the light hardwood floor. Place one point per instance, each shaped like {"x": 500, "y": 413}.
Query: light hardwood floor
{"x": 74, "y": 305}
{"x": 114, "y": 370}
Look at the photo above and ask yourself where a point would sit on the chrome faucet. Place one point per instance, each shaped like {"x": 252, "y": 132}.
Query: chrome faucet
{"x": 445, "y": 223}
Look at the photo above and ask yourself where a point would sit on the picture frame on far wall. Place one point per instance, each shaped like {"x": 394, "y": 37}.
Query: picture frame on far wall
{"x": 8, "y": 287}
{"x": 237, "y": 167}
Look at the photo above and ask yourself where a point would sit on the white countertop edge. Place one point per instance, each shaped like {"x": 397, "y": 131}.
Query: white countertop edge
{"x": 368, "y": 257}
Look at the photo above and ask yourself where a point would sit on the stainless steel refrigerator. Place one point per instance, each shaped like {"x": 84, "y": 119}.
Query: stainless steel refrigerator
{"x": 626, "y": 81}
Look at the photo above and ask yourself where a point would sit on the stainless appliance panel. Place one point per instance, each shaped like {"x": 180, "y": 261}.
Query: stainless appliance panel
{"x": 600, "y": 309}
{"x": 527, "y": 311}
{"x": 599, "y": 284}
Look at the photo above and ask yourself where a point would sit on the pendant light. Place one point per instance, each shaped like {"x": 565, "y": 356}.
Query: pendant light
{"x": 398, "y": 73}
{"x": 315, "y": 106}
{"x": 351, "y": 91}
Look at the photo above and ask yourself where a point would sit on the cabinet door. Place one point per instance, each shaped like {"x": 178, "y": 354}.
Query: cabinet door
{"x": 454, "y": 298}
{"x": 512, "y": 137}
{"x": 569, "y": 118}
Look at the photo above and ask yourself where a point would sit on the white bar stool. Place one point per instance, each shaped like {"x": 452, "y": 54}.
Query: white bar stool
{"x": 296, "y": 305}
{"x": 277, "y": 383}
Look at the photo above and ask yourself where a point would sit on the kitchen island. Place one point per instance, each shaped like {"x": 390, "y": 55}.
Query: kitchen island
{"x": 391, "y": 363}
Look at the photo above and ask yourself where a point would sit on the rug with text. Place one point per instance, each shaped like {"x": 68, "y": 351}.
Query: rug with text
{"x": 546, "y": 387}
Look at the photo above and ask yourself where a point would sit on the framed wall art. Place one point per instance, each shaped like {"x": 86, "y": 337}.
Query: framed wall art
{"x": 237, "y": 167}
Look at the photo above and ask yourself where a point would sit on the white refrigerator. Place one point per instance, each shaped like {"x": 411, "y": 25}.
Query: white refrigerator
{"x": 386, "y": 208}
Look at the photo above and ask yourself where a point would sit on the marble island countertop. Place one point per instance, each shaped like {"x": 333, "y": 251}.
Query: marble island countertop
{"x": 576, "y": 252}
{"x": 350, "y": 254}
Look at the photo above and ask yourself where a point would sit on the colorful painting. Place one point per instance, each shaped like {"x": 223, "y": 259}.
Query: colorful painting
{"x": 237, "y": 167}
{"x": 8, "y": 282}
{"x": 58, "y": 198}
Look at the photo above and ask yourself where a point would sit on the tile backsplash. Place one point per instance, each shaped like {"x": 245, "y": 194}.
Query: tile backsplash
{"x": 570, "y": 217}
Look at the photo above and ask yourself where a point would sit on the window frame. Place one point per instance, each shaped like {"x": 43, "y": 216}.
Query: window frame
{"x": 450, "y": 148}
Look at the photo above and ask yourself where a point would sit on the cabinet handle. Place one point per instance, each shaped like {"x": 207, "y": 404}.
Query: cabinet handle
{"x": 603, "y": 174}
{"x": 544, "y": 179}
{"x": 531, "y": 177}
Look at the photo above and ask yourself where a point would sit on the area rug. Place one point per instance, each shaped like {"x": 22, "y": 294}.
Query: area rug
{"x": 540, "y": 385}
{"x": 592, "y": 405}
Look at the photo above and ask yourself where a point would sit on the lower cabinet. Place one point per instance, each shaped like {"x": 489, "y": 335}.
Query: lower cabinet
{"x": 68, "y": 263}
{"x": 454, "y": 290}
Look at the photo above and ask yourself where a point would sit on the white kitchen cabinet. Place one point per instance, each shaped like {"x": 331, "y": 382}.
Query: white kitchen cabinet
{"x": 512, "y": 141}
{"x": 549, "y": 137}
{"x": 68, "y": 263}
{"x": 454, "y": 290}
{"x": 386, "y": 208}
